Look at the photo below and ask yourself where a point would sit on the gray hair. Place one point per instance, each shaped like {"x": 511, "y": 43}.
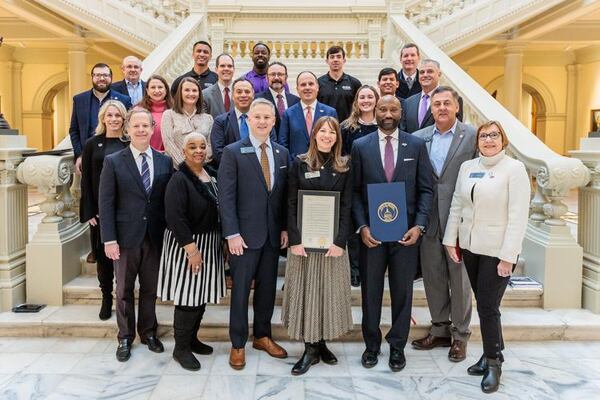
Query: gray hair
{"x": 193, "y": 136}
{"x": 264, "y": 102}
{"x": 430, "y": 61}
{"x": 138, "y": 110}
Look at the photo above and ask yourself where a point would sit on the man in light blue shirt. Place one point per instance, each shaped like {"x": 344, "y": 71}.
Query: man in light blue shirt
{"x": 131, "y": 85}
{"x": 440, "y": 144}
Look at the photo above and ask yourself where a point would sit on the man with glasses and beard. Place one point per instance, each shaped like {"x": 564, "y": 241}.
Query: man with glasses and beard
{"x": 276, "y": 94}
{"x": 86, "y": 105}
{"x": 261, "y": 54}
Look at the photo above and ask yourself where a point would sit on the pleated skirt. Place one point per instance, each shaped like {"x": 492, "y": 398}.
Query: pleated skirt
{"x": 316, "y": 298}
{"x": 177, "y": 283}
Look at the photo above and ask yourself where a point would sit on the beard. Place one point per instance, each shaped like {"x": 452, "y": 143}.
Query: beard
{"x": 101, "y": 89}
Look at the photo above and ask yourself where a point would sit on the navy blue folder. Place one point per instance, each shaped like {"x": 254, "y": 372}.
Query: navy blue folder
{"x": 387, "y": 211}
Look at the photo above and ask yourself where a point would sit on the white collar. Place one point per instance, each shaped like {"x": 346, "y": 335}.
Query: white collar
{"x": 136, "y": 153}
{"x": 413, "y": 76}
{"x": 275, "y": 94}
{"x": 222, "y": 87}
{"x": 382, "y": 135}
{"x": 256, "y": 143}
{"x": 312, "y": 106}
{"x": 238, "y": 113}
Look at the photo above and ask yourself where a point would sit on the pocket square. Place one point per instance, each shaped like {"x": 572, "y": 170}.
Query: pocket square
{"x": 409, "y": 159}
{"x": 283, "y": 166}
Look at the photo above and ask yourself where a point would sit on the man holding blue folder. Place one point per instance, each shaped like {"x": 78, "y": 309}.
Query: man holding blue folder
{"x": 390, "y": 155}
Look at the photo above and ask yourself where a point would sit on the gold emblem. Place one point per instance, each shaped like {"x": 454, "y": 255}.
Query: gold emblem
{"x": 322, "y": 242}
{"x": 387, "y": 212}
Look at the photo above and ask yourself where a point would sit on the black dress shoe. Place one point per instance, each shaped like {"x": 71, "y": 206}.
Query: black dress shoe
{"x": 153, "y": 344}
{"x": 123, "y": 350}
{"x": 397, "y": 359}
{"x": 369, "y": 358}
{"x": 491, "y": 378}
{"x": 326, "y": 355}
{"x": 355, "y": 280}
{"x": 309, "y": 357}
{"x": 106, "y": 308}
{"x": 479, "y": 368}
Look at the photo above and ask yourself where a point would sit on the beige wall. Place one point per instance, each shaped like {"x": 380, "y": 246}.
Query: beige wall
{"x": 588, "y": 91}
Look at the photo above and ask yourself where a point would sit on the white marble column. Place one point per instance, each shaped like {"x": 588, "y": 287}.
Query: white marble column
{"x": 374, "y": 34}
{"x": 571, "y": 138}
{"x": 17, "y": 100}
{"x": 513, "y": 77}
{"x": 79, "y": 77}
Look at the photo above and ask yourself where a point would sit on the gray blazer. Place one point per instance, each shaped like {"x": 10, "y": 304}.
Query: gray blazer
{"x": 213, "y": 100}
{"x": 461, "y": 149}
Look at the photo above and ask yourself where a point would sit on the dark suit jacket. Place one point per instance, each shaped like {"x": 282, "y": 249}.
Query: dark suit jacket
{"x": 121, "y": 87}
{"x": 225, "y": 130}
{"x": 403, "y": 92}
{"x": 412, "y": 167}
{"x": 293, "y": 134}
{"x": 290, "y": 98}
{"x": 410, "y": 114}
{"x": 80, "y": 117}
{"x": 328, "y": 180}
{"x": 126, "y": 211}
{"x": 245, "y": 204}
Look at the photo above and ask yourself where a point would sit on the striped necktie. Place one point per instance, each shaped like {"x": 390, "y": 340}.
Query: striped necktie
{"x": 145, "y": 173}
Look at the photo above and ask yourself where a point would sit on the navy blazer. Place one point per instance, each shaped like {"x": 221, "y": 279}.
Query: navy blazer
{"x": 290, "y": 98}
{"x": 293, "y": 134}
{"x": 245, "y": 204}
{"x": 121, "y": 87}
{"x": 412, "y": 167}
{"x": 80, "y": 130}
{"x": 410, "y": 113}
{"x": 225, "y": 130}
{"x": 126, "y": 211}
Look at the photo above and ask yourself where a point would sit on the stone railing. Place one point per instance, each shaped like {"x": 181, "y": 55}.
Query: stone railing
{"x": 549, "y": 246}
{"x": 455, "y": 25}
{"x": 174, "y": 55}
{"x": 299, "y": 49}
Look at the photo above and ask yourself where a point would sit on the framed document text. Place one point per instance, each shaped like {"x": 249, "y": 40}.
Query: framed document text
{"x": 318, "y": 218}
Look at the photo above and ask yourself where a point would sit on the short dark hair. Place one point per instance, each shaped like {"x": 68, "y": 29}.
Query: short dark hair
{"x": 335, "y": 50}
{"x": 241, "y": 79}
{"x": 219, "y": 58}
{"x": 277, "y": 63}
{"x": 261, "y": 44}
{"x": 204, "y": 42}
{"x": 408, "y": 46}
{"x": 306, "y": 72}
{"x": 387, "y": 71}
{"x": 101, "y": 65}
{"x": 442, "y": 89}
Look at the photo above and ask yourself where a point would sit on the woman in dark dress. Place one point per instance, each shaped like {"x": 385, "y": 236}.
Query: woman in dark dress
{"x": 192, "y": 265}
{"x": 362, "y": 118}
{"x": 109, "y": 139}
{"x": 316, "y": 300}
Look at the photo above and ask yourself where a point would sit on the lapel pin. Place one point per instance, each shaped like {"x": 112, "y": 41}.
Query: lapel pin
{"x": 404, "y": 144}
{"x": 99, "y": 144}
{"x": 277, "y": 151}
{"x": 461, "y": 136}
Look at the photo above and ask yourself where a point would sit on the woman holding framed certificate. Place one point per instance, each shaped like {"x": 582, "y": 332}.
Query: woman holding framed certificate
{"x": 316, "y": 301}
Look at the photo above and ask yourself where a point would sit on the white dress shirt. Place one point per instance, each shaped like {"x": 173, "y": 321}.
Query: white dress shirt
{"x": 313, "y": 105}
{"x": 138, "y": 160}
{"x": 256, "y": 144}
{"x": 238, "y": 115}
{"x": 382, "y": 143}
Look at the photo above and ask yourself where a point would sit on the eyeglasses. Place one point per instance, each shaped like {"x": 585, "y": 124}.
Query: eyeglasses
{"x": 492, "y": 135}
{"x": 276, "y": 74}
{"x": 101, "y": 76}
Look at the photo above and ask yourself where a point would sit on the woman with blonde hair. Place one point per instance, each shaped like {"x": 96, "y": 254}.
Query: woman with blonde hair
{"x": 316, "y": 300}
{"x": 486, "y": 227}
{"x": 110, "y": 137}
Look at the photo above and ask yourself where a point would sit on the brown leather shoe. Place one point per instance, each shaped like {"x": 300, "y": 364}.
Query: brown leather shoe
{"x": 458, "y": 351}
{"x": 237, "y": 358}
{"x": 91, "y": 258}
{"x": 267, "y": 344}
{"x": 431, "y": 342}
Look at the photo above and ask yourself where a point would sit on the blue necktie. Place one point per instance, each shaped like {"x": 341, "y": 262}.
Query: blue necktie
{"x": 145, "y": 173}
{"x": 243, "y": 127}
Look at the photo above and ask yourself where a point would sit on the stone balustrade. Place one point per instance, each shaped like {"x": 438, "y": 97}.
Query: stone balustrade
{"x": 299, "y": 49}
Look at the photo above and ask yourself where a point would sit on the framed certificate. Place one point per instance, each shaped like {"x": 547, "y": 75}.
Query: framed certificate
{"x": 318, "y": 218}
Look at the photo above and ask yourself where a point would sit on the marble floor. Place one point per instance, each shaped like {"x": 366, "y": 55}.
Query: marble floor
{"x": 78, "y": 368}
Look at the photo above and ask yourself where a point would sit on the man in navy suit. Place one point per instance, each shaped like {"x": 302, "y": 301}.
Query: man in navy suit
{"x": 252, "y": 202}
{"x": 298, "y": 120}
{"x": 408, "y": 77}
{"x": 276, "y": 93}
{"x": 232, "y": 126}
{"x": 86, "y": 105}
{"x": 132, "y": 211}
{"x": 131, "y": 85}
{"x": 390, "y": 155}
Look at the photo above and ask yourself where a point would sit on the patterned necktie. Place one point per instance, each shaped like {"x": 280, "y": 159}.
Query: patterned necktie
{"x": 409, "y": 82}
{"x": 423, "y": 108}
{"x": 309, "y": 120}
{"x": 145, "y": 173}
{"x": 243, "y": 126}
{"x": 280, "y": 105}
{"x": 388, "y": 159}
{"x": 227, "y": 100}
{"x": 264, "y": 164}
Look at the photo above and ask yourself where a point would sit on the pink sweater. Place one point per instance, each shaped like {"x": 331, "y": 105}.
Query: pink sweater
{"x": 157, "y": 110}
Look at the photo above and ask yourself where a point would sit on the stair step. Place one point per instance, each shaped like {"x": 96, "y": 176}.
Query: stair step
{"x": 84, "y": 290}
{"x": 529, "y": 324}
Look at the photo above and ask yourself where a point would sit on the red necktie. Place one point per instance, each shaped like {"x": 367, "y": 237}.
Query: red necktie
{"x": 280, "y": 105}
{"x": 227, "y": 100}
{"x": 388, "y": 159}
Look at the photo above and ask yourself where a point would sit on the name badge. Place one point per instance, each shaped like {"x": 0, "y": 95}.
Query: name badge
{"x": 310, "y": 175}
{"x": 347, "y": 87}
{"x": 247, "y": 150}
{"x": 477, "y": 175}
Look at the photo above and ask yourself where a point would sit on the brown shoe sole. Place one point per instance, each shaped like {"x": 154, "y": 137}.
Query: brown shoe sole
{"x": 456, "y": 359}
{"x": 420, "y": 347}
{"x": 258, "y": 347}
{"x": 236, "y": 366}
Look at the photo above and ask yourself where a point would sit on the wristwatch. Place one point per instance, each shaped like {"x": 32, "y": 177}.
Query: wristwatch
{"x": 421, "y": 228}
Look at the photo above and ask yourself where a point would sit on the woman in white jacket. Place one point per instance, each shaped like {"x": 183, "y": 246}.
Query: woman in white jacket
{"x": 486, "y": 226}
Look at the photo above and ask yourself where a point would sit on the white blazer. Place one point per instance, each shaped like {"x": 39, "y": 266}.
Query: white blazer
{"x": 490, "y": 207}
